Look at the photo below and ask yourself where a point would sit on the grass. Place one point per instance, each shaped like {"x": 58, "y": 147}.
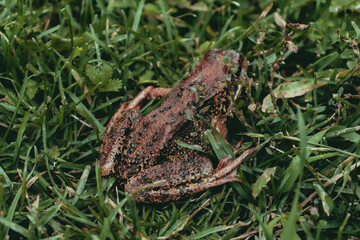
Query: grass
{"x": 66, "y": 66}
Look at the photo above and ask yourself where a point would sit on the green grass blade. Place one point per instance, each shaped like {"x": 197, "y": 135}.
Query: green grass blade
{"x": 137, "y": 19}
{"x": 12, "y": 209}
{"x": 290, "y": 226}
{"x": 207, "y": 232}
{"x": 17, "y": 107}
{"x": 16, "y": 228}
{"x": 167, "y": 22}
{"x": 83, "y": 111}
{"x": 81, "y": 184}
{"x": 99, "y": 184}
{"x": 20, "y": 136}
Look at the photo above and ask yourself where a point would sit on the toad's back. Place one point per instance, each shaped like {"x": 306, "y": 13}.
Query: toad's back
{"x": 157, "y": 130}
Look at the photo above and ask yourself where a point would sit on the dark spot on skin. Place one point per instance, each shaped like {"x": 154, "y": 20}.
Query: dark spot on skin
{"x": 191, "y": 103}
{"x": 154, "y": 115}
{"x": 179, "y": 94}
{"x": 169, "y": 107}
{"x": 132, "y": 146}
{"x": 146, "y": 124}
{"x": 127, "y": 131}
{"x": 140, "y": 134}
{"x": 181, "y": 113}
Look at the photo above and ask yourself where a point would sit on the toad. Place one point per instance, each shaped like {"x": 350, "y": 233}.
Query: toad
{"x": 141, "y": 150}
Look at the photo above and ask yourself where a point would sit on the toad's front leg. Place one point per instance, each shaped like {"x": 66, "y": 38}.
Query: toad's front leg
{"x": 183, "y": 177}
{"x": 124, "y": 120}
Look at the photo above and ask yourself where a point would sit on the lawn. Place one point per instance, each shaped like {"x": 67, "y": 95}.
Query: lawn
{"x": 66, "y": 67}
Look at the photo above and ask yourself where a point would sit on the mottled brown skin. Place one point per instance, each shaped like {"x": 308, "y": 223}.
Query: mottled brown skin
{"x": 143, "y": 150}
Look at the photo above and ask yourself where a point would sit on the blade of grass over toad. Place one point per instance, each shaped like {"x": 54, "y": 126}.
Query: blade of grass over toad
{"x": 290, "y": 226}
{"x": 219, "y": 151}
{"x": 225, "y": 148}
{"x": 194, "y": 147}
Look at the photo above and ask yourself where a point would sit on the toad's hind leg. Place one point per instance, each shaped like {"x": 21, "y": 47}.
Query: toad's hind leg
{"x": 172, "y": 173}
{"x": 176, "y": 183}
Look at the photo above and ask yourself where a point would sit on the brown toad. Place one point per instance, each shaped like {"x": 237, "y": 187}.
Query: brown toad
{"x": 141, "y": 150}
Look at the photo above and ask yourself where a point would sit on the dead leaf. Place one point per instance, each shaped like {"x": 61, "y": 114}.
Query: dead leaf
{"x": 291, "y": 46}
{"x": 279, "y": 20}
{"x": 289, "y": 90}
